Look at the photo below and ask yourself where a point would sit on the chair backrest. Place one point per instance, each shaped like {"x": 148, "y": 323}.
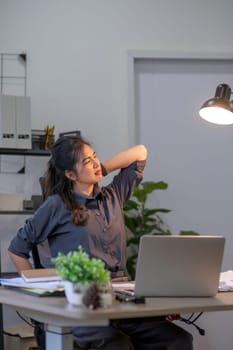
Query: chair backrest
{"x": 36, "y": 258}
{"x": 41, "y": 255}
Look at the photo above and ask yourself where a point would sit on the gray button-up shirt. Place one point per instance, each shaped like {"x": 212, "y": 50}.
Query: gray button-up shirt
{"x": 104, "y": 234}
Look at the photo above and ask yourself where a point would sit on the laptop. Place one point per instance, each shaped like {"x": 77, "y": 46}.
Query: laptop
{"x": 178, "y": 266}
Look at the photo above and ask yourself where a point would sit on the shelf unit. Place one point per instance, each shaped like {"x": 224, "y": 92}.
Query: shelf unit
{"x": 13, "y": 81}
{"x": 21, "y": 152}
{"x": 32, "y": 152}
{"x": 24, "y": 152}
{"x": 16, "y": 212}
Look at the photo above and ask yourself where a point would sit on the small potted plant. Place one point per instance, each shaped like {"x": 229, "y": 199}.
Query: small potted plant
{"x": 86, "y": 281}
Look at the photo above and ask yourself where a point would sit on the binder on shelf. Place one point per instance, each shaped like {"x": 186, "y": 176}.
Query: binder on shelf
{"x": 7, "y": 122}
{"x": 15, "y": 122}
{"x": 23, "y": 122}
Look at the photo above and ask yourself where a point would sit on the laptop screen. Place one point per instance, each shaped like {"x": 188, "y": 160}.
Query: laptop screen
{"x": 171, "y": 265}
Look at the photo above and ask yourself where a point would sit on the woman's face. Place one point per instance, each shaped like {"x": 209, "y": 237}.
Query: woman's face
{"x": 87, "y": 170}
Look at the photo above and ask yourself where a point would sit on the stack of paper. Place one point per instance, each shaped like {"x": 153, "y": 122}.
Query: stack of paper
{"x": 34, "y": 288}
{"x": 123, "y": 288}
{"x": 226, "y": 281}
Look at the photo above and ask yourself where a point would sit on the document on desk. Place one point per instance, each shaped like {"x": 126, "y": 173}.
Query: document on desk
{"x": 226, "y": 281}
{"x": 124, "y": 287}
{"x": 34, "y": 288}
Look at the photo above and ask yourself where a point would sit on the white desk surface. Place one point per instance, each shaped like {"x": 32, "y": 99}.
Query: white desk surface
{"x": 59, "y": 315}
{"x": 57, "y": 311}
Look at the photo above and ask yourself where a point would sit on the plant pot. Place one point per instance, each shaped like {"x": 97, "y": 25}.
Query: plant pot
{"x": 75, "y": 294}
{"x": 106, "y": 297}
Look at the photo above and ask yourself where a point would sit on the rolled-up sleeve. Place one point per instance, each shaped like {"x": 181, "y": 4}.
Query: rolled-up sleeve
{"x": 128, "y": 178}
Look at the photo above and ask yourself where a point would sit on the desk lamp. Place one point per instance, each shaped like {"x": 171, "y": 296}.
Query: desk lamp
{"x": 219, "y": 110}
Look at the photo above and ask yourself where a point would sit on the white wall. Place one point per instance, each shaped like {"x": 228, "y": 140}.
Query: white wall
{"x": 77, "y": 64}
{"x": 77, "y": 54}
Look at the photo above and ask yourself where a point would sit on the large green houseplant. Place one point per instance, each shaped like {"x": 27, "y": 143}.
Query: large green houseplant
{"x": 141, "y": 220}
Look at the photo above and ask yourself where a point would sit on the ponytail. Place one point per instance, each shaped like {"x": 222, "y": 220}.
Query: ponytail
{"x": 65, "y": 154}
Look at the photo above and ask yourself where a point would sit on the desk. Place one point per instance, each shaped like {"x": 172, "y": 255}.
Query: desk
{"x": 59, "y": 315}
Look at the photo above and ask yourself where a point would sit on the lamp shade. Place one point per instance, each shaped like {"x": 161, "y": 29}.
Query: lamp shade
{"x": 219, "y": 110}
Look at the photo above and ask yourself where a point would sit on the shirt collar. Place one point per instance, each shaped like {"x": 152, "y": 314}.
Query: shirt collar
{"x": 81, "y": 199}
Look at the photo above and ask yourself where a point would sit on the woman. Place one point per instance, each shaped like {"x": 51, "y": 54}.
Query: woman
{"x": 76, "y": 211}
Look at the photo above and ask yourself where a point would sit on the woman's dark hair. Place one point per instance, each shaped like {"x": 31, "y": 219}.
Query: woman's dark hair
{"x": 65, "y": 153}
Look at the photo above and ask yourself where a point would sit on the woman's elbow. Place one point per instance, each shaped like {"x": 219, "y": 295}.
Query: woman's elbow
{"x": 142, "y": 152}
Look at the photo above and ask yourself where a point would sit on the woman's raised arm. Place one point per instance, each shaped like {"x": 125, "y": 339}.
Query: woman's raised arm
{"x": 125, "y": 158}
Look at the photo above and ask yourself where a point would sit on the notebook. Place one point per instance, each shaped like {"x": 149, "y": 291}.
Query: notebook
{"x": 176, "y": 266}
{"x": 40, "y": 275}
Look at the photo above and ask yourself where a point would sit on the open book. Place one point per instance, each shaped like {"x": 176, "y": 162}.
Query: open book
{"x": 40, "y": 275}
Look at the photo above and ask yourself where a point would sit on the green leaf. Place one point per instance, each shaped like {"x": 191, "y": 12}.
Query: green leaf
{"x": 150, "y": 186}
{"x": 187, "y": 233}
{"x": 130, "y": 205}
{"x": 140, "y": 220}
{"x": 77, "y": 267}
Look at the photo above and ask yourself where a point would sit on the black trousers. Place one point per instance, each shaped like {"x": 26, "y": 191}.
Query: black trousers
{"x": 154, "y": 333}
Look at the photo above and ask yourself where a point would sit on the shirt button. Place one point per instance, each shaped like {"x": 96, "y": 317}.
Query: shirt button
{"x": 104, "y": 230}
